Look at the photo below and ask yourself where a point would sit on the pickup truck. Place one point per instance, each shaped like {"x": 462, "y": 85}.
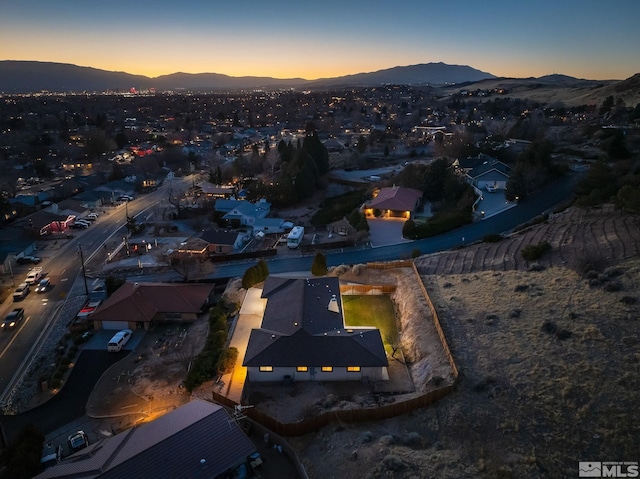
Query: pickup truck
{"x": 12, "y": 319}
{"x": 34, "y": 275}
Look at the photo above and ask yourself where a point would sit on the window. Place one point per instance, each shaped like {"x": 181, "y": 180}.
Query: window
{"x": 327, "y": 369}
{"x": 266, "y": 369}
{"x": 302, "y": 369}
{"x": 353, "y": 369}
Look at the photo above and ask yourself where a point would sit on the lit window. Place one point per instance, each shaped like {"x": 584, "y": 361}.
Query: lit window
{"x": 266, "y": 369}
{"x": 353, "y": 369}
{"x": 302, "y": 369}
{"x": 327, "y": 369}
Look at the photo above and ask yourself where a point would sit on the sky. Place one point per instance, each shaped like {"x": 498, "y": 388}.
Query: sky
{"x": 327, "y": 38}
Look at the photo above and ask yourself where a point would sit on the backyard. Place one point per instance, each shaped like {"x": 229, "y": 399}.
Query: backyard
{"x": 372, "y": 310}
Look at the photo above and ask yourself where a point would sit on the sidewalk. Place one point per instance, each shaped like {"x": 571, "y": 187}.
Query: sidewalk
{"x": 250, "y": 317}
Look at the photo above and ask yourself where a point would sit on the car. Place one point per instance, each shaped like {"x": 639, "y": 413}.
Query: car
{"x": 51, "y": 455}
{"x": 78, "y": 440}
{"x": 21, "y": 292}
{"x": 79, "y": 226}
{"x": 43, "y": 286}
{"x": 125, "y": 198}
{"x": 12, "y": 319}
{"x": 92, "y": 216}
{"x": 28, "y": 260}
{"x": 81, "y": 221}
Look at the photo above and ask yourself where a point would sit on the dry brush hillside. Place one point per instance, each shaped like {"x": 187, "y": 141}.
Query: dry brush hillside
{"x": 549, "y": 362}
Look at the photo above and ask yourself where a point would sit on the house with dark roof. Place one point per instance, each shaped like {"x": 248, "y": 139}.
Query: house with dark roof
{"x": 199, "y": 439}
{"x": 139, "y": 305}
{"x": 303, "y": 337}
{"x": 394, "y": 202}
{"x": 221, "y": 241}
{"x": 490, "y": 175}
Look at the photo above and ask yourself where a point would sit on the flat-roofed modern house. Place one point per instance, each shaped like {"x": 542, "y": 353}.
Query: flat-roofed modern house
{"x": 139, "y": 305}
{"x": 303, "y": 337}
{"x": 199, "y": 439}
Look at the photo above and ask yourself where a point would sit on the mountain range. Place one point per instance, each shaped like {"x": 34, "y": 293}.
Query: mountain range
{"x": 33, "y": 77}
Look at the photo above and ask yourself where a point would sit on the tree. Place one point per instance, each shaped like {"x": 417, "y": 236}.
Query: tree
{"x": 21, "y": 458}
{"x": 319, "y": 266}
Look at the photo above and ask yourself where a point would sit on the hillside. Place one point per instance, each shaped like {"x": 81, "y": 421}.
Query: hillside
{"x": 29, "y": 76}
{"x": 549, "y": 363}
{"x": 560, "y": 89}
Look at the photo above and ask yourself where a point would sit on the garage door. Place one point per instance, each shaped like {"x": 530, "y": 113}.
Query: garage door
{"x": 115, "y": 325}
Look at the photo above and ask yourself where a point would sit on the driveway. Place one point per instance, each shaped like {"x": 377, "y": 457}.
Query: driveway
{"x": 70, "y": 403}
{"x": 386, "y": 231}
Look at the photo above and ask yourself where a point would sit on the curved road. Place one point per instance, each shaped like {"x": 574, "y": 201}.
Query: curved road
{"x": 559, "y": 191}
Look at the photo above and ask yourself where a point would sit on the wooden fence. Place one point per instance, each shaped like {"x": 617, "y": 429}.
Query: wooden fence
{"x": 436, "y": 322}
{"x": 386, "y": 411}
{"x": 365, "y": 289}
{"x": 312, "y": 424}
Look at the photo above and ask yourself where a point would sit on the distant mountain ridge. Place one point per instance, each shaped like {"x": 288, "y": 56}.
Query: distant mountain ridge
{"x": 32, "y": 77}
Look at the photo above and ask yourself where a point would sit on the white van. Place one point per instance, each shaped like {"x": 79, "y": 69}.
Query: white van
{"x": 119, "y": 340}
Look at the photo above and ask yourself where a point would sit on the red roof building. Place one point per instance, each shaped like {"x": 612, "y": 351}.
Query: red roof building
{"x": 139, "y": 305}
{"x": 394, "y": 202}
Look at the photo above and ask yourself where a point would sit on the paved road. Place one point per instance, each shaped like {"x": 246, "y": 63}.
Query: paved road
{"x": 559, "y": 191}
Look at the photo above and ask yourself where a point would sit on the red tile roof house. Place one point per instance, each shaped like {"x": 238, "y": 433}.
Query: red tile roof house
{"x": 199, "y": 439}
{"x": 139, "y": 305}
{"x": 394, "y": 202}
{"x": 303, "y": 337}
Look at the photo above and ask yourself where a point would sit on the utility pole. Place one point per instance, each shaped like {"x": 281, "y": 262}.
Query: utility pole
{"x": 84, "y": 273}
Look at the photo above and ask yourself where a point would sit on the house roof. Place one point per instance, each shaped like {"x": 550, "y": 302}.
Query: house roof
{"x": 303, "y": 324}
{"x": 219, "y": 237}
{"x": 142, "y": 301}
{"x": 245, "y": 208}
{"x": 340, "y": 348}
{"x": 225, "y": 206}
{"x": 395, "y": 198}
{"x": 488, "y": 166}
{"x": 173, "y": 445}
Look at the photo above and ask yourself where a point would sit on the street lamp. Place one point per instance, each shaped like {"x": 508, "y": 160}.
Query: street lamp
{"x": 84, "y": 273}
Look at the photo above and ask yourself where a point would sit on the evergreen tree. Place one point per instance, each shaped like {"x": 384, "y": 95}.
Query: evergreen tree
{"x": 319, "y": 266}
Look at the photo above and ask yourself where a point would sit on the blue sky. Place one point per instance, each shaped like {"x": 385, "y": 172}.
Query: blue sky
{"x": 287, "y": 39}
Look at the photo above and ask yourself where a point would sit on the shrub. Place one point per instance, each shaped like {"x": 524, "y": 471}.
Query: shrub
{"x": 534, "y": 252}
{"x": 227, "y": 360}
{"x": 492, "y": 238}
{"x": 319, "y": 266}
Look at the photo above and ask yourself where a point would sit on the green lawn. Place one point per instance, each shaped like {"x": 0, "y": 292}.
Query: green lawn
{"x": 371, "y": 310}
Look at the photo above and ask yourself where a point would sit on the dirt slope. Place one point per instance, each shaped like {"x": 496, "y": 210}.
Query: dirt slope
{"x": 549, "y": 363}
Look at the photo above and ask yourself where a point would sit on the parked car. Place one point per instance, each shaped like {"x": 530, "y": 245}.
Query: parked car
{"x": 125, "y": 198}
{"x": 21, "y": 292}
{"x": 78, "y": 440}
{"x": 51, "y": 455}
{"x": 28, "y": 260}
{"x": 12, "y": 319}
{"x": 81, "y": 221}
{"x": 92, "y": 216}
{"x": 43, "y": 286}
{"x": 79, "y": 226}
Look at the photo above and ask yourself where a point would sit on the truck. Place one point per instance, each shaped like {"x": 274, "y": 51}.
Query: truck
{"x": 34, "y": 275}
{"x": 294, "y": 238}
{"x": 12, "y": 319}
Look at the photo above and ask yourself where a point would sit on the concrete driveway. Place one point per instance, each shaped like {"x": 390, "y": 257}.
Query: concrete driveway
{"x": 386, "y": 231}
